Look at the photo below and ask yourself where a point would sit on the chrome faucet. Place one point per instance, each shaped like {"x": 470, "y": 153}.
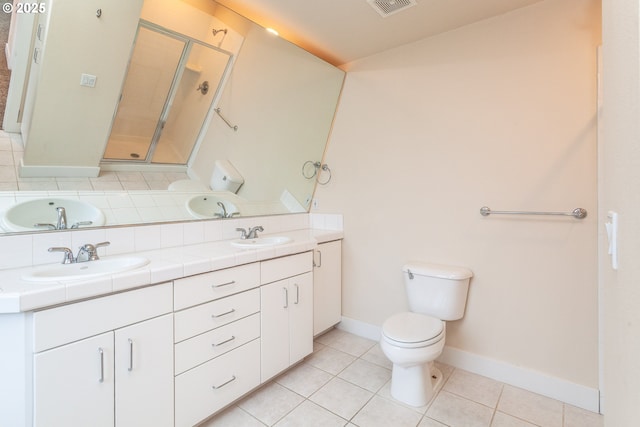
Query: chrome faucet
{"x": 224, "y": 213}
{"x": 249, "y": 233}
{"x": 61, "y": 223}
{"x": 224, "y": 210}
{"x": 87, "y": 252}
{"x": 253, "y": 232}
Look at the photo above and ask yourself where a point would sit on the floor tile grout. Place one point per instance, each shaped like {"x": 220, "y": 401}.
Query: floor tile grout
{"x": 423, "y": 416}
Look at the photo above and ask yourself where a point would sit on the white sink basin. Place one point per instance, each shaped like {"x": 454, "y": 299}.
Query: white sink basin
{"x": 84, "y": 270}
{"x": 206, "y": 206}
{"x": 23, "y": 216}
{"x": 261, "y": 242}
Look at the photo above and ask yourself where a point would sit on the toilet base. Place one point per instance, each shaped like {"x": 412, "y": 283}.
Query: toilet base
{"x": 415, "y": 385}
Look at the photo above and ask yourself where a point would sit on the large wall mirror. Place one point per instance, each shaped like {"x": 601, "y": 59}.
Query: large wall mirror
{"x": 248, "y": 142}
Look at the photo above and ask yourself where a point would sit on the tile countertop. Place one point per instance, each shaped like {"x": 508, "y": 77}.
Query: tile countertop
{"x": 17, "y": 295}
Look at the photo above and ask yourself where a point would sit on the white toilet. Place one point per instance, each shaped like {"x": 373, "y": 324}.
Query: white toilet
{"x": 225, "y": 177}
{"x": 413, "y": 340}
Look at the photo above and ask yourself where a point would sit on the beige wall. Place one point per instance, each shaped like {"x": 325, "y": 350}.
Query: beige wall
{"x": 499, "y": 113}
{"x": 282, "y": 99}
{"x": 620, "y": 181}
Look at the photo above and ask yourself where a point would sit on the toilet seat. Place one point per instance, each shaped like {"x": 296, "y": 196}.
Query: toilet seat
{"x": 412, "y": 330}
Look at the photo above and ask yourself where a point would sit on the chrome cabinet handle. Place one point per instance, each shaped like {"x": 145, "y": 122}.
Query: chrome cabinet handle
{"x": 101, "y": 352}
{"x": 297, "y": 293}
{"x": 223, "y": 284}
{"x": 216, "y": 387}
{"x": 319, "y": 264}
{"x": 286, "y": 298}
{"x": 130, "y": 368}
{"x": 223, "y": 342}
{"x": 215, "y": 316}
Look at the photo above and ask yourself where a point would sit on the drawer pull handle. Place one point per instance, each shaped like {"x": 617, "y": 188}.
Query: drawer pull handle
{"x": 216, "y": 387}
{"x": 101, "y": 352}
{"x": 223, "y": 284}
{"x": 130, "y": 368}
{"x": 215, "y": 316}
{"x": 286, "y": 298}
{"x": 223, "y": 342}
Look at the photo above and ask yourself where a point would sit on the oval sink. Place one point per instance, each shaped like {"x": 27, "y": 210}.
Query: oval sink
{"x": 25, "y": 215}
{"x": 261, "y": 242}
{"x": 206, "y": 206}
{"x": 84, "y": 270}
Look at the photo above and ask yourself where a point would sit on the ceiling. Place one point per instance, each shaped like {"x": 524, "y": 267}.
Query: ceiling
{"x": 341, "y": 31}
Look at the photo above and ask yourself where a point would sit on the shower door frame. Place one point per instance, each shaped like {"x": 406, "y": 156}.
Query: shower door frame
{"x": 166, "y": 109}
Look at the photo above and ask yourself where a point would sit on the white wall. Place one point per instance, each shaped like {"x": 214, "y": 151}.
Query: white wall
{"x": 620, "y": 183}
{"x": 499, "y": 113}
{"x": 67, "y": 124}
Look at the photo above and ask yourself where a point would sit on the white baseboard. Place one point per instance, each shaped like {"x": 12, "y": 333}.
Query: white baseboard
{"x": 537, "y": 382}
{"x": 362, "y": 329}
{"x": 30, "y": 171}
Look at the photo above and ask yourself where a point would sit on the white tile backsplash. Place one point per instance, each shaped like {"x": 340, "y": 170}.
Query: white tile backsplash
{"x": 171, "y": 235}
{"x": 147, "y": 238}
{"x": 17, "y": 251}
{"x": 23, "y": 250}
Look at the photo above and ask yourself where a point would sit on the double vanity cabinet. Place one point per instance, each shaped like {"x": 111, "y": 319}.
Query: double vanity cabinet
{"x": 175, "y": 353}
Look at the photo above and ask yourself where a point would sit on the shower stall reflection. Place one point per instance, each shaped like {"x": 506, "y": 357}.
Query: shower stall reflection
{"x": 163, "y": 105}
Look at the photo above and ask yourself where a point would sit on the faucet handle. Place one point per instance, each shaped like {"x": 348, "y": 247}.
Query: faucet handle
{"x": 253, "y": 232}
{"x": 79, "y": 223}
{"x": 94, "y": 255}
{"x": 42, "y": 224}
{"x": 68, "y": 254}
{"x": 89, "y": 252}
{"x": 243, "y": 233}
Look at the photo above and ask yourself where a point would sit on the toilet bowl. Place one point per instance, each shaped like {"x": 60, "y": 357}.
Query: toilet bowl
{"x": 413, "y": 340}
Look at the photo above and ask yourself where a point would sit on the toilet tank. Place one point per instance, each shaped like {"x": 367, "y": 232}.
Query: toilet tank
{"x": 437, "y": 290}
{"x": 225, "y": 177}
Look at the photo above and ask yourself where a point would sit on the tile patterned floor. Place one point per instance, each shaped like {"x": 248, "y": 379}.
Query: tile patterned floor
{"x": 345, "y": 382}
{"x": 11, "y": 152}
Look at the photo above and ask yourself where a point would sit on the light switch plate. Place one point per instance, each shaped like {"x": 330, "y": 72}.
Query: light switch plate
{"x": 88, "y": 80}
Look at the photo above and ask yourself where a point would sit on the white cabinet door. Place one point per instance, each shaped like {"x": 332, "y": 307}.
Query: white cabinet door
{"x": 327, "y": 286}
{"x": 144, "y": 373}
{"x": 74, "y": 384}
{"x": 286, "y": 323}
{"x": 300, "y": 317}
{"x": 274, "y": 330}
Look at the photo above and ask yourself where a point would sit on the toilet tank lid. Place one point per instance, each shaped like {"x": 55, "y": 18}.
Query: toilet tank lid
{"x": 437, "y": 270}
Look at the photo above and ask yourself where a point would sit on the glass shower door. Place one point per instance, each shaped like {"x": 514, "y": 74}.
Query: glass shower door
{"x": 152, "y": 69}
{"x": 202, "y": 71}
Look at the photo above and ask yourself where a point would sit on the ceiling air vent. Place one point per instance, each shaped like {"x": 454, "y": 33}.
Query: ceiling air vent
{"x": 389, "y": 7}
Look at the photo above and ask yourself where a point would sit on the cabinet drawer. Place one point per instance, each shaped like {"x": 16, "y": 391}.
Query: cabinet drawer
{"x": 68, "y": 323}
{"x": 209, "y": 387}
{"x": 206, "y": 287}
{"x": 205, "y": 317}
{"x": 207, "y": 346}
{"x": 289, "y": 266}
